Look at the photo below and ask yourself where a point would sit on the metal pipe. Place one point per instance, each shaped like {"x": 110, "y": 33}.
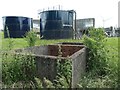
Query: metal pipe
{"x": 74, "y": 24}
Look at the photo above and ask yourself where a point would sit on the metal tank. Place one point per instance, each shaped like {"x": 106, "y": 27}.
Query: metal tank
{"x": 17, "y": 26}
{"x": 56, "y": 24}
{"x": 83, "y": 25}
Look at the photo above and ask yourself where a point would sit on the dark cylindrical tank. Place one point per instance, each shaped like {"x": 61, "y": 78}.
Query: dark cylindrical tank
{"x": 56, "y": 24}
{"x": 16, "y": 25}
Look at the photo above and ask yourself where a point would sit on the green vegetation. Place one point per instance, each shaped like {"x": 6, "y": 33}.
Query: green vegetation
{"x": 102, "y": 70}
{"x": 64, "y": 71}
{"x": 102, "y": 61}
{"x": 17, "y": 68}
{"x": 31, "y": 38}
{"x": 22, "y": 43}
{"x": 97, "y": 56}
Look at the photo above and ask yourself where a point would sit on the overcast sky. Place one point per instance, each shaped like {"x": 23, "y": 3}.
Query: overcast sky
{"x": 106, "y": 10}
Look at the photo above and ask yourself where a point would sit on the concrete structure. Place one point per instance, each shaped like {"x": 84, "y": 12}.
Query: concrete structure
{"x": 46, "y": 60}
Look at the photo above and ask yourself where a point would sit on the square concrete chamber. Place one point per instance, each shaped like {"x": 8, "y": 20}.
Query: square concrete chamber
{"x": 46, "y": 57}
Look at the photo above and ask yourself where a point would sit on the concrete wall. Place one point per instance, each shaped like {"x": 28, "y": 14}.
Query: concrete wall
{"x": 78, "y": 66}
{"x": 37, "y": 50}
{"x": 46, "y": 67}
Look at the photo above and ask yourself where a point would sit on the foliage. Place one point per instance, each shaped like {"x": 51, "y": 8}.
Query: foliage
{"x": 101, "y": 63}
{"x": 31, "y": 38}
{"x": 64, "y": 71}
{"x": 47, "y": 83}
{"x": 64, "y": 74}
{"x": 38, "y": 83}
{"x": 19, "y": 71}
{"x": 89, "y": 81}
{"x": 97, "y": 52}
{"x": 17, "y": 68}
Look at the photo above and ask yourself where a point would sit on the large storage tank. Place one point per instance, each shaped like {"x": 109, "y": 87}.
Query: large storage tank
{"x": 16, "y": 25}
{"x": 83, "y": 25}
{"x": 56, "y": 24}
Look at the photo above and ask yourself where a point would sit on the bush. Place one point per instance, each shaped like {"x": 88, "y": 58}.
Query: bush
{"x": 17, "y": 68}
{"x": 97, "y": 52}
{"x": 31, "y": 38}
{"x": 99, "y": 73}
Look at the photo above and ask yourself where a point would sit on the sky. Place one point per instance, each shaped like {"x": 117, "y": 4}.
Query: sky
{"x": 105, "y": 12}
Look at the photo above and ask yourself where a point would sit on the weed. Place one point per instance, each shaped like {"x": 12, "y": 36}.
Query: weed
{"x": 17, "y": 68}
{"x": 64, "y": 71}
{"x": 31, "y": 38}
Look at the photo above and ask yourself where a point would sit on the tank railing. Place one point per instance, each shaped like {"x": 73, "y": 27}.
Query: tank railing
{"x": 58, "y": 7}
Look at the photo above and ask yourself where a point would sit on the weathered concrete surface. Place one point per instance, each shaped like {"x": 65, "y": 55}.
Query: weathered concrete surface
{"x": 46, "y": 67}
{"x": 37, "y": 50}
{"x": 78, "y": 66}
{"x": 46, "y": 57}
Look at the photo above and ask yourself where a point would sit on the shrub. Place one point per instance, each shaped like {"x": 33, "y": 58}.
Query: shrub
{"x": 97, "y": 52}
{"x": 17, "y": 68}
{"x": 100, "y": 72}
{"x": 31, "y": 38}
